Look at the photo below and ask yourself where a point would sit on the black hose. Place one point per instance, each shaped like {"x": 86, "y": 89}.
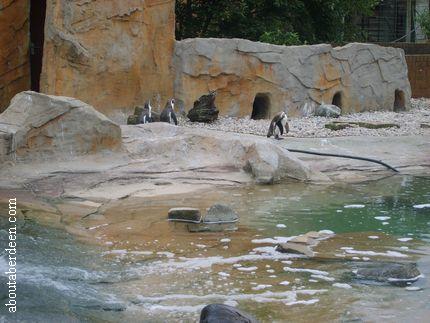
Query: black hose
{"x": 343, "y": 156}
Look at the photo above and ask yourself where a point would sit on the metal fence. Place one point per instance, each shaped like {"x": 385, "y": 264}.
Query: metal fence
{"x": 390, "y": 22}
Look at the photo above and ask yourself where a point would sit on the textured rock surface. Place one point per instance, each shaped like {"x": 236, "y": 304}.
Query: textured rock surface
{"x": 120, "y": 50}
{"x": 184, "y": 214}
{"x": 184, "y": 148}
{"x": 328, "y": 110}
{"x": 214, "y": 313}
{"x": 204, "y": 109}
{"x": 14, "y": 49}
{"x": 356, "y": 77}
{"x": 386, "y": 272}
{"x": 38, "y": 126}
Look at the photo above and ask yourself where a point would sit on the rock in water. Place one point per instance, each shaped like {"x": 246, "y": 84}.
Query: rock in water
{"x": 328, "y": 110}
{"x": 217, "y": 313}
{"x": 218, "y": 218}
{"x": 398, "y": 274}
{"x": 185, "y": 214}
{"x": 204, "y": 109}
{"x": 220, "y": 213}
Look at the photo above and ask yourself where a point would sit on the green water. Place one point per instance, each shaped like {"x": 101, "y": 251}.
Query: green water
{"x": 63, "y": 280}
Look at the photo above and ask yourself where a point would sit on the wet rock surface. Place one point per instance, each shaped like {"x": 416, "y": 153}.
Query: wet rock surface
{"x": 399, "y": 274}
{"x": 217, "y": 313}
{"x": 184, "y": 214}
{"x": 304, "y": 243}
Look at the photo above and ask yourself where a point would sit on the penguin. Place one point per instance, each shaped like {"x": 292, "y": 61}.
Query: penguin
{"x": 168, "y": 114}
{"x": 146, "y": 116}
{"x": 278, "y": 125}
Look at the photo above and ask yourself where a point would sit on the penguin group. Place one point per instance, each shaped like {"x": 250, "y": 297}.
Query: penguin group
{"x": 278, "y": 125}
{"x": 167, "y": 115}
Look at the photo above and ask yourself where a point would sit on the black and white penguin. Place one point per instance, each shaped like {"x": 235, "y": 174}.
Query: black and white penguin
{"x": 146, "y": 116}
{"x": 278, "y": 125}
{"x": 168, "y": 114}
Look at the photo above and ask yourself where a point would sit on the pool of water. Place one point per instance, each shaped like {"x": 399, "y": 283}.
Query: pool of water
{"x": 142, "y": 268}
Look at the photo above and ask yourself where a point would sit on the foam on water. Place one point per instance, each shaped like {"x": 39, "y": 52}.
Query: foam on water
{"x": 382, "y": 218}
{"x": 405, "y": 239}
{"x": 354, "y": 206}
{"x": 340, "y": 285}
{"x": 421, "y": 206}
{"x": 275, "y": 240}
{"x": 389, "y": 253}
{"x": 305, "y": 270}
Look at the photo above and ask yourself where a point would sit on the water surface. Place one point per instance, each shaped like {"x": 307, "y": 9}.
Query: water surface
{"x": 146, "y": 269}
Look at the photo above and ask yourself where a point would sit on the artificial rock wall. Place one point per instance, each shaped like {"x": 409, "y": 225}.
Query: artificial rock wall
{"x": 108, "y": 53}
{"x": 356, "y": 77}
{"x": 14, "y": 49}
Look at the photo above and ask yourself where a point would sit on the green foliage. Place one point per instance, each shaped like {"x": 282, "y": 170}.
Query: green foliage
{"x": 279, "y": 37}
{"x": 275, "y": 21}
{"x": 423, "y": 19}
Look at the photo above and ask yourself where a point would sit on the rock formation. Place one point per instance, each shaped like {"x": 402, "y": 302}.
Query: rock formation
{"x": 38, "y": 126}
{"x": 259, "y": 79}
{"x": 204, "y": 109}
{"x": 110, "y": 54}
{"x": 14, "y": 47}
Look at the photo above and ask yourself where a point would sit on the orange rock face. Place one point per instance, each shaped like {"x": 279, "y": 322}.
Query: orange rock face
{"x": 111, "y": 54}
{"x": 14, "y": 49}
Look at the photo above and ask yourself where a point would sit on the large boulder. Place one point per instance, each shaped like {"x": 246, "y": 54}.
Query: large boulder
{"x": 168, "y": 148}
{"x": 204, "y": 109}
{"x": 39, "y": 126}
{"x": 216, "y": 313}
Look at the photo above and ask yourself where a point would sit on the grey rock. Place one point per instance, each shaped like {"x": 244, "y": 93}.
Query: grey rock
{"x": 356, "y": 77}
{"x": 184, "y": 214}
{"x": 39, "y": 126}
{"x": 399, "y": 274}
{"x": 217, "y": 313}
{"x": 218, "y": 218}
{"x": 220, "y": 213}
{"x": 204, "y": 109}
{"x": 328, "y": 110}
{"x": 299, "y": 248}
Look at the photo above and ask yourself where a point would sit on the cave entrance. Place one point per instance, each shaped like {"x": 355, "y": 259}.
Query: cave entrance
{"x": 37, "y": 35}
{"x": 337, "y": 99}
{"x": 261, "y": 106}
{"x": 399, "y": 101}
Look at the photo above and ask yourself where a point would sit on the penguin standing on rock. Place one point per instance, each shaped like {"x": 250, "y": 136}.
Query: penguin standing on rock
{"x": 278, "y": 125}
{"x": 168, "y": 114}
{"x": 146, "y": 116}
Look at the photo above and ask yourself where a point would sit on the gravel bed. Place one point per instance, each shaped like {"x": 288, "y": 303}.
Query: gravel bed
{"x": 409, "y": 122}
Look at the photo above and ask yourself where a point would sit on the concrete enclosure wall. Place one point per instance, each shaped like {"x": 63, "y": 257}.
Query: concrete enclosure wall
{"x": 108, "y": 53}
{"x": 357, "y": 77}
{"x": 14, "y": 49}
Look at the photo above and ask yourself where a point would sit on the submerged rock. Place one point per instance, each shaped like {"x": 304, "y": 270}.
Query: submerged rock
{"x": 303, "y": 243}
{"x": 291, "y": 247}
{"x": 218, "y": 218}
{"x": 185, "y": 214}
{"x": 204, "y": 109}
{"x": 399, "y": 274}
{"x": 220, "y": 213}
{"x": 217, "y": 313}
{"x": 328, "y": 110}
